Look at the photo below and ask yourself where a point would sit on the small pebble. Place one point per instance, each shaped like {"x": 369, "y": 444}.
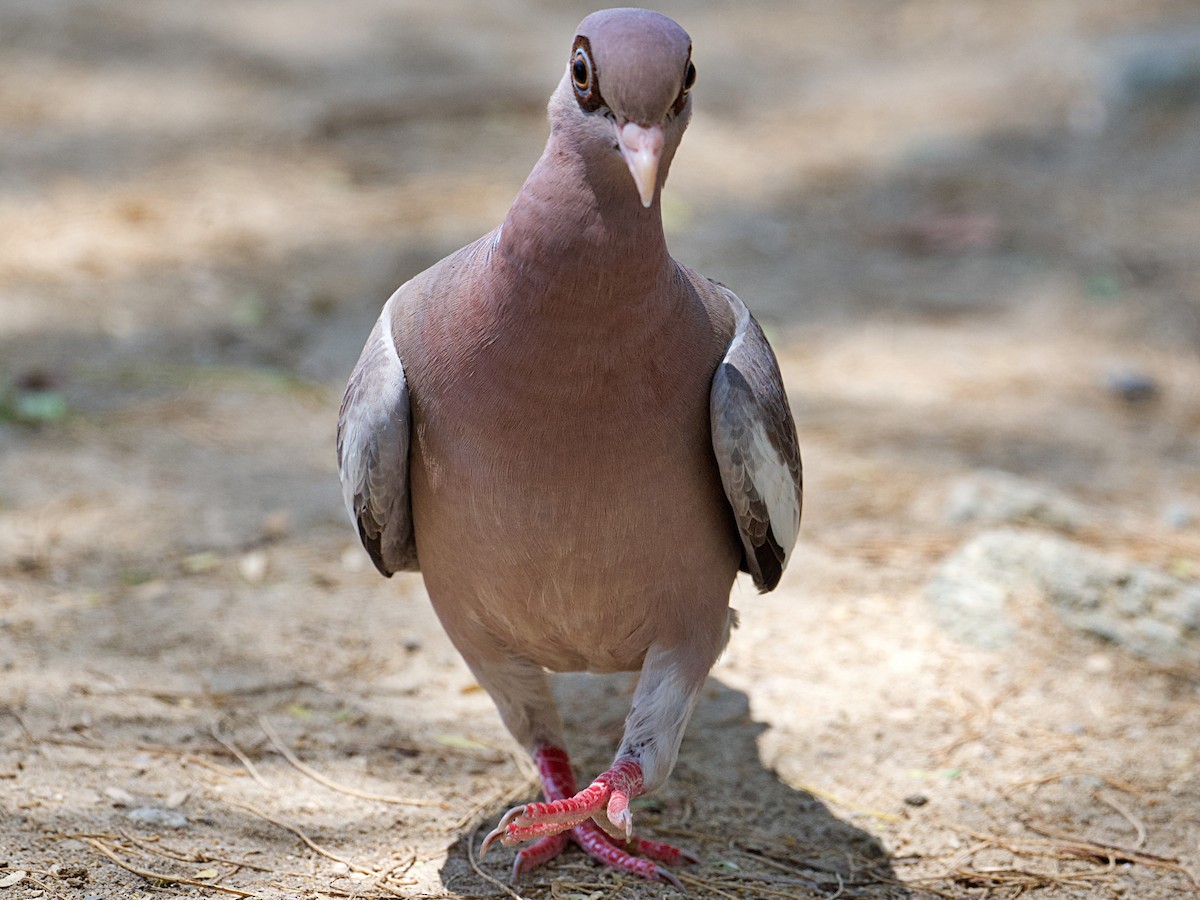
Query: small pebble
{"x": 916, "y": 800}
{"x": 253, "y": 567}
{"x": 176, "y": 799}
{"x": 1133, "y": 386}
{"x": 156, "y": 817}
{"x": 119, "y": 796}
{"x": 1177, "y": 515}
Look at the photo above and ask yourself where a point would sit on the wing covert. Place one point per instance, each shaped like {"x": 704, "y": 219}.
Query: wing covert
{"x": 373, "y": 434}
{"x": 758, "y": 454}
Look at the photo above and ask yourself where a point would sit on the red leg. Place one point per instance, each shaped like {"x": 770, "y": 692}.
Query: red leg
{"x": 602, "y": 848}
{"x": 567, "y": 814}
{"x": 554, "y": 767}
{"x": 544, "y": 850}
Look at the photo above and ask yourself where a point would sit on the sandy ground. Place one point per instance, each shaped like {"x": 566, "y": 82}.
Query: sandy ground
{"x": 962, "y": 223}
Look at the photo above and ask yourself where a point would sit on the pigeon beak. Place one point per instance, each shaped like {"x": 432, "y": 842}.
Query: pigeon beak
{"x": 641, "y": 148}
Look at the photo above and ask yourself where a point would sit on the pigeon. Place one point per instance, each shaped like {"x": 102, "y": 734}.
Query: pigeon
{"x": 579, "y": 442}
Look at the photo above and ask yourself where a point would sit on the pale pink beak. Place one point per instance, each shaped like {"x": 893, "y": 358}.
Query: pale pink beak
{"x": 641, "y": 149}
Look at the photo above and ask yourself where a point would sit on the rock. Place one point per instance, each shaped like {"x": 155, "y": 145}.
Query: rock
{"x": 968, "y": 603}
{"x": 1144, "y": 610}
{"x": 156, "y": 817}
{"x": 996, "y": 497}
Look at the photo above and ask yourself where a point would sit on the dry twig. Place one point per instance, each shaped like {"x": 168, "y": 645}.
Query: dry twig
{"x": 1068, "y": 846}
{"x": 31, "y": 876}
{"x": 157, "y": 749}
{"x": 982, "y": 714}
{"x": 1138, "y": 826}
{"x": 501, "y": 797}
{"x": 320, "y": 779}
{"x": 160, "y": 877}
{"x": 1077, "y": 846}
{"x": 156, "y": 847}
{"x": 482, "y": 874}
{"x": 228, "y": 744}
{"x": 693, "y": 880}
{"x": 308, "y": 842}
{"x": 1113, "y": 782}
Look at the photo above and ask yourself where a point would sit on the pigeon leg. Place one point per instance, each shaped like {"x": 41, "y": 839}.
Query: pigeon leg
{"x": 598, "y": 817}
{"x": 636, "y": 856}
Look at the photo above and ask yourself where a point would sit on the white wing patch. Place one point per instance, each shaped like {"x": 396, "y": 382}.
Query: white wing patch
{"x": 777, "y": 487}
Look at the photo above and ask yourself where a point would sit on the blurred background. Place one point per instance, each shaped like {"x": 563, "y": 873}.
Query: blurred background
{"x": 971, "y": 230}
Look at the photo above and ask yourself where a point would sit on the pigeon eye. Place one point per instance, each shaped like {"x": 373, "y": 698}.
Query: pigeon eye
{"x": 581, "y": 72}
{"x": 689, "y": 78}
{"x": 584, "y": 76}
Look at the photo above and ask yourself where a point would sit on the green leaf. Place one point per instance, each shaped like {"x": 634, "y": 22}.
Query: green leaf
{"x": 37, "y": 407}
{"x": 460, "y": 743}
{"x": 199, "y": 563}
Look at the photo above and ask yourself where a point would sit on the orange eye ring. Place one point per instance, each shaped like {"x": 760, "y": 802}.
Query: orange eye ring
{"x": 581, "y": 71}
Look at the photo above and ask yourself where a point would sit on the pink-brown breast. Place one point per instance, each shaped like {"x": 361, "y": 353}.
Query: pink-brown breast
{"x": 566, "y": 502}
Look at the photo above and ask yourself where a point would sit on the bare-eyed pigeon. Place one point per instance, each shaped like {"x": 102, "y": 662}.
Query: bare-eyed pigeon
{"x": 579, "y": 441}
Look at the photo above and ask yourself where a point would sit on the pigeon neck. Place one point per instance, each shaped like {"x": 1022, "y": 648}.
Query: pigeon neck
{"x": 581, "y": 225}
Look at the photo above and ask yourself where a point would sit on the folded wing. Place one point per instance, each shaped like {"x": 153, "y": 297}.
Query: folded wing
{"x": 373, "y": 433}
{"x": 754, "y": 439}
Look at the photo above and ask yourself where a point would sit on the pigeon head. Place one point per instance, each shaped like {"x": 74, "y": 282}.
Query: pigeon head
{"x": 624, "y": 100}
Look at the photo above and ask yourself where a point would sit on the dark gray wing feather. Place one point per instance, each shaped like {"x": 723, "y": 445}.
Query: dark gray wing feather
{"x": 373, "y": 433}
{"x": 758, "y": 455}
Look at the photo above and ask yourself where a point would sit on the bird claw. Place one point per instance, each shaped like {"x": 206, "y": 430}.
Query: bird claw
{"x": 499, "y": 830}
{"x": 597, "y": 818}
{"x": 637, "y": 857}
{"x": 608, "y": 795}
{"x": 670, "y": 878}
{"x": 526, "y": 823}
{"x": 619, "y": 827}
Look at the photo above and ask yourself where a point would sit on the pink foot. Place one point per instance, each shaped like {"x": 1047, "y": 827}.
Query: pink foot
{"x": 567, "y": 815}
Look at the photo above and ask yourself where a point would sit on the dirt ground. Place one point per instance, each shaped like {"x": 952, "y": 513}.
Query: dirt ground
{"x": 972, "y": 230}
